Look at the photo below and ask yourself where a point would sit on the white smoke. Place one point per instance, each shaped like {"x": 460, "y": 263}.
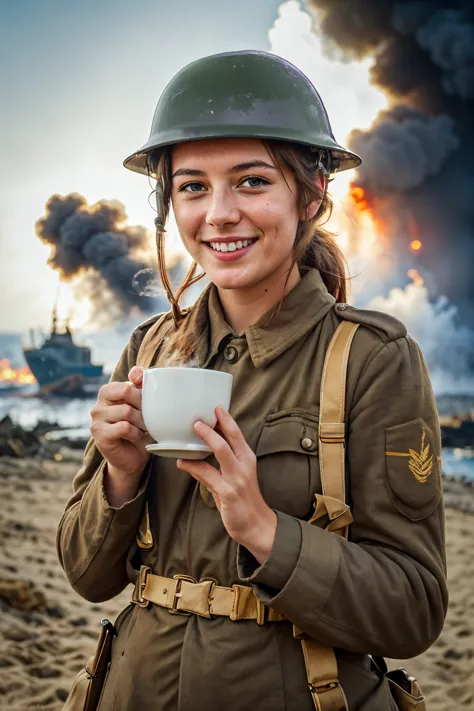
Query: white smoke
{"x": 447, "y": 345}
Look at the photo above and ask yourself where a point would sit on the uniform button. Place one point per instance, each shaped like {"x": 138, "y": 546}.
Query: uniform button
{"x": 342, "y": 307}
{"x": 306, "y": 443}
{"x": 231, "y": 354}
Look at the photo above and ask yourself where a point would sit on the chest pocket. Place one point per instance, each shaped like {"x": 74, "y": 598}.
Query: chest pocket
{"x": 287, "y": 461}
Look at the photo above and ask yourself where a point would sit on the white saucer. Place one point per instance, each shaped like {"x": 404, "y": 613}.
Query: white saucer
{"x": 179, "y": 451}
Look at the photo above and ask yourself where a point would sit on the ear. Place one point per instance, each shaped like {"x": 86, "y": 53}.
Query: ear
{"x": 311, "y": 210}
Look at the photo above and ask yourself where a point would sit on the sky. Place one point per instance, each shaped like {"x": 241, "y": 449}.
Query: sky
{"x": 78, "y": 85}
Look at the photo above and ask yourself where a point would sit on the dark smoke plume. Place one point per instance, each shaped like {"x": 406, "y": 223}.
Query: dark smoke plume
{"x": 420, "y": 153}
{"x": 112, "y": 260}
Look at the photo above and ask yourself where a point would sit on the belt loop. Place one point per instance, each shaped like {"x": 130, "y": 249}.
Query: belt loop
{"x": 261, "y": 611}
{"x": 137, "y": 595}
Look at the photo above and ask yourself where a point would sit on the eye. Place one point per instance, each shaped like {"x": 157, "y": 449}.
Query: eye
{"x": 183, "y": 188}
{"x": 255, "y": 182}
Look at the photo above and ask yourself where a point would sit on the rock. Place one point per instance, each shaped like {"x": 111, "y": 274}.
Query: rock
{"x": 57, "y": 611}
{"x": 22, "y": 595}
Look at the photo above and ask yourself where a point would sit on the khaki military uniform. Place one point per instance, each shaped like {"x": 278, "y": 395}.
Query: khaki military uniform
{"x": 382, "y": 592}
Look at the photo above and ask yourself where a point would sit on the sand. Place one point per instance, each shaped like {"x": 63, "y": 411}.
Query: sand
{"x": 47, "y": 632}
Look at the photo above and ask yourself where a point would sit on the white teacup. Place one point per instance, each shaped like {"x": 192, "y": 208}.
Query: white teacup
{"x": 173, "y": 399}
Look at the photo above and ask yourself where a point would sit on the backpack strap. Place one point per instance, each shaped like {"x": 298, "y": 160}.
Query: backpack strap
{"x": 149, "y": 346}
{"x": 330, "y": 509}
{"x": 152, "y": 341}
{"x": 332, "y": 427}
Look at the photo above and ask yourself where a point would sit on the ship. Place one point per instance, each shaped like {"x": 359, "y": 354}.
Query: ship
{"x": 61, "y": 367}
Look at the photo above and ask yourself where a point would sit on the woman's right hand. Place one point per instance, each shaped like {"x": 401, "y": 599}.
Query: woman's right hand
{"x": 117, "y": 425}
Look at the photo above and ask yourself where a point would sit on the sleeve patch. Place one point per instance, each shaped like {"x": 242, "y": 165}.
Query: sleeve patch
{"x": 413, "y": 468}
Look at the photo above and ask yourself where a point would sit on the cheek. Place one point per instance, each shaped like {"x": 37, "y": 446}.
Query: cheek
{"x": 187, "y": 219}
{"x": 279, "y": 221}
{"x": 276, "y": 211}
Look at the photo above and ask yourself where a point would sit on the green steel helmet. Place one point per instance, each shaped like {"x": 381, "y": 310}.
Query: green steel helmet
{"x": 245, "y": 94}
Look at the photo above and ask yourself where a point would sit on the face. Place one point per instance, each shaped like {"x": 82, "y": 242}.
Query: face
{"x": 235, "y": 213}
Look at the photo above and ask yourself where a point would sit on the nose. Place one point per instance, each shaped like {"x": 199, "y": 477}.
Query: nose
{"x": 223, "y": 209}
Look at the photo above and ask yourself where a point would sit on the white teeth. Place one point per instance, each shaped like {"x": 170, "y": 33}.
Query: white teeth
{"x": 230, "y": 246}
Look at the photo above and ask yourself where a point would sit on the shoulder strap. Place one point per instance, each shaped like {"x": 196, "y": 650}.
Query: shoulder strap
{"x": 152, "y": 341}
{"x": 330, "y": 508}
{"x": 146, "y": 354}
{"x": 331, "y": 412}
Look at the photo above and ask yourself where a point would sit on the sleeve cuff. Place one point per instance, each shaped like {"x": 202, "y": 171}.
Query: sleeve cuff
{"x": 276, "y": 570}
{"x": 138, "y": 498}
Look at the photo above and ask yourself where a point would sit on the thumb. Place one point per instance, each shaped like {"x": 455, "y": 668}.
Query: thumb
{"x": 136, "y": 376}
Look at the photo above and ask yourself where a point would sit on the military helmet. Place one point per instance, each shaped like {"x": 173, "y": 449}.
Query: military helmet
{"x": 245, "y": 94}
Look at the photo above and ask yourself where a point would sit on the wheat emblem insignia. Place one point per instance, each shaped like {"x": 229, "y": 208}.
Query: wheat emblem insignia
{"x": 421, "y": 463}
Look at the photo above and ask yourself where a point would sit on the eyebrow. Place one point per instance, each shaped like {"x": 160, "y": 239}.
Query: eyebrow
{"x": 235, "y": 169}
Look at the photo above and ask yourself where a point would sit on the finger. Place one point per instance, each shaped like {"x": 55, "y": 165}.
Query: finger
{"x": 118, "y": 430}
{"x": 126, "y": 413}
{"x": 206, "y": 474}
{"x": 222, "y": 450}
{"x": 136, "y": 376}
{"x": 114, "y": 393}
{"x": 232, "y": 432}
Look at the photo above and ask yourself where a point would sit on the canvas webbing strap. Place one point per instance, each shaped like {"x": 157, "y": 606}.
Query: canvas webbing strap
{"x": 146, "y": 354}
{"x": 320, "y": 661}
{"x": 183, "y": 595}
{"x": 331, "y": 412}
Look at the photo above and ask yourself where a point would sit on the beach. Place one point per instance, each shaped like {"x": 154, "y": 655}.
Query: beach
{"x": 47, "y": 631}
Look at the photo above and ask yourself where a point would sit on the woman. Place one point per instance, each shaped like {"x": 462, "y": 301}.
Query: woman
{"x": 242, "y": 148}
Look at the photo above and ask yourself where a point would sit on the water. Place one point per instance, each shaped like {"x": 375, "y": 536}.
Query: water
{"x": 75, "y": 414}
{"x": 28, "y": 411}
{"x": 455, "y": 463}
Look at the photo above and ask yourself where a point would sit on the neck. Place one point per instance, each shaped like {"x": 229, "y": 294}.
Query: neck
{"x": 242, "y": 307}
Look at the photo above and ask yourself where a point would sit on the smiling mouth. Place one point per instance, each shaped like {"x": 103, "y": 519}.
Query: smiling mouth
{"x": 231, "y": 246}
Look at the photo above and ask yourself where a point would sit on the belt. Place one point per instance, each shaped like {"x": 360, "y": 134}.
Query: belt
{"x": 183, "y": 595}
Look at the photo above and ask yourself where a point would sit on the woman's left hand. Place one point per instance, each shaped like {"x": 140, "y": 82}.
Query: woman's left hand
{"x": 245, "y": 515}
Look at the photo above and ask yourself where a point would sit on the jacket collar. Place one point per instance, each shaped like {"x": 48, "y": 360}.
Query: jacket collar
{"x": 301, "y": 309}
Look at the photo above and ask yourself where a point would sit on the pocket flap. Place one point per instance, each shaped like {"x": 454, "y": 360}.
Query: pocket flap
{"x": 292, "y": 431}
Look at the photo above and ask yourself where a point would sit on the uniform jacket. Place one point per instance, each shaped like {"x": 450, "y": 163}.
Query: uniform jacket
{"x": 382, "y": 592}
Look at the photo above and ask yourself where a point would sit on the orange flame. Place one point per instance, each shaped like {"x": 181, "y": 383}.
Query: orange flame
{"x": 19, "y": 376}
{"x": 359, "y": 197}
{"x": 417, "y": 279}
{"x": 415, "y": 244}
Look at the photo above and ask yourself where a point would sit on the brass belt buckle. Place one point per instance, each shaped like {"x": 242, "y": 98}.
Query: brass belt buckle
{"x": 137, "y": 595}
{"x": 173, "y": 610}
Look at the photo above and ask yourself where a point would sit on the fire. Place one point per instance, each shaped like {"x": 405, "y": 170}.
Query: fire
{"x": 415, "y": 276}
{"x": 359, "y": 197}
{"x": 19, "y": 376}
{"x": 414, "y": 231}
{"x": 364, "y": 239}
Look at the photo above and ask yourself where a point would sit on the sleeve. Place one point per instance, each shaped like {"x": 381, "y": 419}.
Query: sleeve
{"x": 384, "y": 591}
{"x": 93, "y": 537}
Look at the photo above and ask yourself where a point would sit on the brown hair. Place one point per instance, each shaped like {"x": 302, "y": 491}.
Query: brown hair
{"x": 314, "y": 246}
